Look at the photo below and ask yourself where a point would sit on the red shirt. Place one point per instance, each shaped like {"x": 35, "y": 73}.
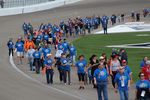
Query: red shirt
{"x": 146, "y": 71}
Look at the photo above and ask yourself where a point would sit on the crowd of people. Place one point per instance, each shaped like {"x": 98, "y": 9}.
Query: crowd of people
{"x": 47, "y": 48}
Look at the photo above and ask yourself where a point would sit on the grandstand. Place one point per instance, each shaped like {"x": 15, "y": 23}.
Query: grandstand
{"x": 19, "y": 3}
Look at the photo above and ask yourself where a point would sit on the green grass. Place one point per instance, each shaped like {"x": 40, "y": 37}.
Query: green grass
{"x": 95, "y": 44}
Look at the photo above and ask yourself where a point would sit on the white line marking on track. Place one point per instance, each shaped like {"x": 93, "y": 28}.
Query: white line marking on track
{"x": 27, "y": 76}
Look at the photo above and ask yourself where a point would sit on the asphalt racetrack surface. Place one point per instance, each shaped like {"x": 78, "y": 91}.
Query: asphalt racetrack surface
{"x": 15, "y": 86}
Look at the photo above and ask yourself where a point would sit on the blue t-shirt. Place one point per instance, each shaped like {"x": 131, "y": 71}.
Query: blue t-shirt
{"x": 46, "y": 51}
{"x": 39, "y": 38}
{"x": 127, "y": 70}
{"x": 101, "y": 74}
{"x": 122, "y": 81}
{"x": 64, "y": 63}
{"x": 37, "y": 54}
{"x": 65, "y": 46}
{"x": 89, "y": 72}
{"x": 143, "y": 84}
{"x": 46, "y": 37}
{"x": 48, "y": 62}
{"x": 19, "y": 46}
{"x": 104, "y": 21}
{"x": 142, "y": 64}
{"x": 10, "y": 44}
{"x": 81, "y": 66}
{"x": 60, "y": 46}
{"x": 72, "y": 50}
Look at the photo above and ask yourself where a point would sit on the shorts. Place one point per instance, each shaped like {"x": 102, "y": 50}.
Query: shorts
{"x": 81, "y": 76}
{"x": 20, "y": 54}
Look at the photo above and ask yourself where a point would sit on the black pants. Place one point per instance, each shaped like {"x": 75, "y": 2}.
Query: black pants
{"x": 60, "y": 75}
{"x": 113, "y": 78}
{"x": 37, "y": 64}
{"x": 66, "y": 75}
{"x": 105, "y": 30}
{"x": 11, "y": 52}
{"x": 49, "y": 76}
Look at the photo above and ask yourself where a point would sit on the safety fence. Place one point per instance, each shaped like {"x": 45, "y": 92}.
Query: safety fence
{"x": 20, "y": 3}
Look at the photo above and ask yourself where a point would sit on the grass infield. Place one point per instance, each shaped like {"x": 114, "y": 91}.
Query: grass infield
{"x": 96, "y": 44}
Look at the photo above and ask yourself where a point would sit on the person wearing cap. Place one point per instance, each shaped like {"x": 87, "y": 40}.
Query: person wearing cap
{"x": 81, "y": 65}
{"x": 101, "y": 80}
{"x": 127, "y": 68}
{"x": 146, "y": 70}
{"x": 10, "y": 46}
{"x": 49, "y": 68}
{"x": 142, "y": 88}
{"x": 20, "y": 50}
{"x": 122, "y": 83}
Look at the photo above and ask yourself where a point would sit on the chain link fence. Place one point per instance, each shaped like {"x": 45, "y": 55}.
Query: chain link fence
{"x": 19, "y": 3}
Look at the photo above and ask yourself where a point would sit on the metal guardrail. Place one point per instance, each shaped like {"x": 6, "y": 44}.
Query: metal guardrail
{"x": 20, "y": 3}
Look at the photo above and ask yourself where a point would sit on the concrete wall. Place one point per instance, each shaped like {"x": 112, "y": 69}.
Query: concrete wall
{"x": 35, "y": 8}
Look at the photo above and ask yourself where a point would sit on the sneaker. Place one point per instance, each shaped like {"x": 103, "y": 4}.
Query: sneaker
{"x": 80, "y": 88}
{"x": 83, "y": 88}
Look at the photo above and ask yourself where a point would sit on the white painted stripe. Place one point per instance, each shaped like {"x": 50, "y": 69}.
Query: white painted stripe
{"x": 130, "y": 46}
{"x": 128, "y": 27}
{"x": 27, "y": 76}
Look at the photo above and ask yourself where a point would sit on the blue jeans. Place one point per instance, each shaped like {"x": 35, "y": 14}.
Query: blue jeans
{"x": 31, "y": 63}
{"x": 102, "y": 87}
{"x": 124, "y": 95}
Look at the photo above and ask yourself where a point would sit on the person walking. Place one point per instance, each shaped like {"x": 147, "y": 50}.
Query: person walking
{"x": 122, "y": 83}
{"x": 114, "y": 66}
{"x": 20, "y": 50}
{"x": 80, "y": 65}
{"x": 146, "y": 70}
{"x": 73, "y": 53}
{"x": 2, "y": 3}
{"x": 142, "y": 88}
{"x": 30, "y": 57}
{"x": 10, "y": 46}
{"x": 101, "y": 80}
{"x": 104, "y": 22}
{"x": 127, "y": 69}
{"x": 93, "y": 65}
{"x": 49, "y": 69}
{"x": 64, "y": 62}
{"x": 37, "y": 62}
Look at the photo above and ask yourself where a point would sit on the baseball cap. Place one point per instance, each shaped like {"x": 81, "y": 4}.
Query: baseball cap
{"x": 101, "y": 57}
{"x": 124, "y": 61}
{"x": 48, "y": 54}
{"x": 121, "y": 67}
{"x": 148, "y": 62}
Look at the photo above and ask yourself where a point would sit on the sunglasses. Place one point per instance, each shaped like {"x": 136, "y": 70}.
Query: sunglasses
{"x": 141, "y": 75}
{"x": 121, "y": 68}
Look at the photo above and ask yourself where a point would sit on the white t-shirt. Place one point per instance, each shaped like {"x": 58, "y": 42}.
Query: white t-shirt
{"x": 30, "y": 53}
{"x": 58, "y": 53}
